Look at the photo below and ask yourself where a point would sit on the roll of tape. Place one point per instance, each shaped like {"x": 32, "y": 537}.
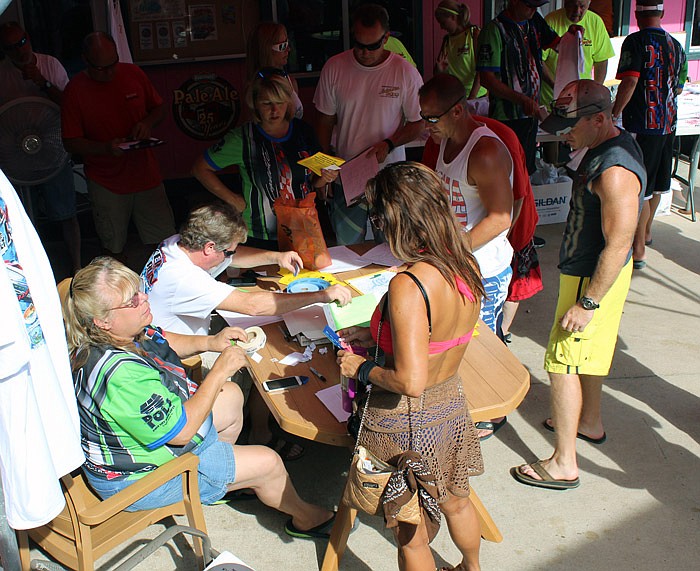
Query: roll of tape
{"x": 256, "y": 340}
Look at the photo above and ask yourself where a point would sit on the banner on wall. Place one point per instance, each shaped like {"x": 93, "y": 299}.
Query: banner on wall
{"x": 205, "y": 107}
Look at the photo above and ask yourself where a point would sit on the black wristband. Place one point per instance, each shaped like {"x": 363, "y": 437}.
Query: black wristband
{"x": 364, "y": 371}
{"x": 390, "y": 143}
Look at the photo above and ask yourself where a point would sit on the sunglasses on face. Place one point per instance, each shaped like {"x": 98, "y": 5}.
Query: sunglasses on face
{"x": 16, "y": 45}
{"x": 228, "y": 253}
{"x": 435, "y": 118}
{"x": 102, "y": 67}
{"x": 369, "y": 47}
{"x": 133, "y": 302}
{"x": 281, "y": 47}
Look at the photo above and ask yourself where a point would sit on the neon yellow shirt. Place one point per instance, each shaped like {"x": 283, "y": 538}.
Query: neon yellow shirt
{"x": 395, "y": 45}
{"x": 461, "y": 58}
{"x": 596, "y": 46}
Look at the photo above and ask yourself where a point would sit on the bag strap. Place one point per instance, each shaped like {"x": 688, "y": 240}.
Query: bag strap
{"x": 425, "y": 298}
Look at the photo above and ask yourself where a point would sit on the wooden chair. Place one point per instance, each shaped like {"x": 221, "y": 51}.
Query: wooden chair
{"x": 89, "y": 527}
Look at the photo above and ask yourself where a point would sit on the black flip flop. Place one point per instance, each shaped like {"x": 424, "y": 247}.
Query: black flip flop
{"x": 494, "y": 427}
{"x": 235, "y": 496}
{"x": 578, "y": 434}
{"x": 321, "y": 531}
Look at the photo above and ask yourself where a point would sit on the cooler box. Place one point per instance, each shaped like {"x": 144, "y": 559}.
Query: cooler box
{"x": 552, "y": 202}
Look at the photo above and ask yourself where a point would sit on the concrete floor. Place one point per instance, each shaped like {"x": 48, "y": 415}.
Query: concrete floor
{"x": 638, "y": 507}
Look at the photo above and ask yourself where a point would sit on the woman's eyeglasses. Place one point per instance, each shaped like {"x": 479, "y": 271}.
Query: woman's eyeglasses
{"x": 435, "y": 118}
{"x": 16, "y": 45}
{"x": 281, "y": 47}
{"x": 134, "y": 301}
{"x": 369, "y": 47}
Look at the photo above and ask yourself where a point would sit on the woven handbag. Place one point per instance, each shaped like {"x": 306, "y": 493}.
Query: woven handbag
{"x": 368, "y": 476}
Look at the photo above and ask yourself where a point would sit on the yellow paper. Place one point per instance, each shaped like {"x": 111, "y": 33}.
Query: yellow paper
{"x": 288, "y": 277}
{"x": 320, "y": 161}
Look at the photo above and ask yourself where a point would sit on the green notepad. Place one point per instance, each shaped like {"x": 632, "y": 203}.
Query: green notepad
{"x": 357, "y": 312}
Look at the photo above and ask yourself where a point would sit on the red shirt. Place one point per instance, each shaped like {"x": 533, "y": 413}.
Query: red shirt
{"x": 524, "y": 228}
{"x": 101, "y": 112}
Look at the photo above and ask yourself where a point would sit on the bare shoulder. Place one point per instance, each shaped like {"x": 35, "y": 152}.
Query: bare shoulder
{"x": 617, "y": 181}
{"x": 491, "y": 156}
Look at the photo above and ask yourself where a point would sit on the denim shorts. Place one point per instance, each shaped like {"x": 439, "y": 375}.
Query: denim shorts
{"x": 217, "y": 469}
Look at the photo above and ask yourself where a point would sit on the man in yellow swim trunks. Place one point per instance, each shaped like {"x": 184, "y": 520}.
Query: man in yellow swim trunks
{"x": 596, "y": 267}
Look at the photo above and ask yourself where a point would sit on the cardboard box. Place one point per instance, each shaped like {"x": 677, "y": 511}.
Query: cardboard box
{"x": 552, "y": 202}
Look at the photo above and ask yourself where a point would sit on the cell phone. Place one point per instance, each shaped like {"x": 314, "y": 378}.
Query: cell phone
{"x": 247, "y": 279}
{"x": 275, "y": 385}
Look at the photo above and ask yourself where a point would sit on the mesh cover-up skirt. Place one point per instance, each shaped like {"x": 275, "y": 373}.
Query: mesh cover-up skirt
{"x": 441, "y": 430}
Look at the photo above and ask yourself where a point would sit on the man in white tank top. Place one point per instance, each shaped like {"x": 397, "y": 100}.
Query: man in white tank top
{"x": 477, "y": 173}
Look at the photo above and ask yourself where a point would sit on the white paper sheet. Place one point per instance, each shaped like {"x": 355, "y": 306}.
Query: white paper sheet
{"x": 382, "y": 256}
{"x": 344, "y": 260}
{"x": 309, "y": 320}
{"x": 333, "y": 400}
{"x": 355, "y": 173}
{"x": 242, "y": 320}
{"x": 376, "y": 284}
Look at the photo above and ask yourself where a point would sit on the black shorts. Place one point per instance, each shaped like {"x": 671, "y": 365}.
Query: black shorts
{"x": 658, "y": 160}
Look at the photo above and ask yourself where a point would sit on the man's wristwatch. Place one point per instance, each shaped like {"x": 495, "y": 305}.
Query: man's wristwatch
{"x": 588, "y": 303}
{"x": 47, "y": 85}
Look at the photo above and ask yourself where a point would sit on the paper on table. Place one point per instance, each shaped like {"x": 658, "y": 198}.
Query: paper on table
{"x": 355, "y": 174}
{"x": 309, "y": 320}
{"x": 376, "y": 284}
{"x": 344, "y": 260}
{"x": 333, "y": 400}
{"x": 357, "y": 312}
{"x": 242, "y": 320}
{"x": 319, "y": 161}
{"x": 382, "y": 256}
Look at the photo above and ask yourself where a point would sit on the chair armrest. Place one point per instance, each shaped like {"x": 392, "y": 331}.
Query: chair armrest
{"x": 193, "y": 366}
{"x": 118, "y": 502}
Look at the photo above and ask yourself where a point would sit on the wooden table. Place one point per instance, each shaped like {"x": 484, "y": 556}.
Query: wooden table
{"x": 495, "y": 383}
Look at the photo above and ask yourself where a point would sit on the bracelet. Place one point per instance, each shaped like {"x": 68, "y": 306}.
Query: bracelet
{"x": 364, "y": 371}
{"x": 390, "y": 143}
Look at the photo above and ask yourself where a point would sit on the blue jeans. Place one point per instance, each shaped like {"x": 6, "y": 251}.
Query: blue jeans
{"x": 217, "y": 469}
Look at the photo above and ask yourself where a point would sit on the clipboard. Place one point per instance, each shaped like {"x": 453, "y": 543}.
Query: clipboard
{"x": 141, "y": 144}
{"x": 355, "y": 174}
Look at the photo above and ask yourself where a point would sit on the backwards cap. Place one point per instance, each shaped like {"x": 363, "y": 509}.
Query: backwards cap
{"x": 579, "y": 98}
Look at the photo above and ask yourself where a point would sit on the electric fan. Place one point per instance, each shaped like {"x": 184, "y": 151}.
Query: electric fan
{"x": 31, "y": 148}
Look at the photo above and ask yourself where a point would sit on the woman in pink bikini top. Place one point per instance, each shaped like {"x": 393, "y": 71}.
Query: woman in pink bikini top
{"x": 423, "y": 325}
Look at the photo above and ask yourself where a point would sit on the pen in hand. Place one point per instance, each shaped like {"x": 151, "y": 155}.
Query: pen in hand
{"x": 319, "y": 375}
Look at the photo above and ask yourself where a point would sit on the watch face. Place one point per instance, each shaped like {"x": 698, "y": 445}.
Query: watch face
{"x": 588, "y": 303}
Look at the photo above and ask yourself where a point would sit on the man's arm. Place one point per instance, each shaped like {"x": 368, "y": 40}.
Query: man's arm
{"x": 600, "y": 70}
{"x": 324, "y": 130}
{"x": 142, "y": 129}
{"x": 271, "y": 303}
{"x": 618, "y": 190}
{"x": 624, "y": 94}
{"x": 489, "y": 170}
{"x": 247, "y": 257}
{"x": 205, "y": 174}
{"x": 496, "y": 87}
{"x": 404, "y": 134}
{"x": 517, "y": 208}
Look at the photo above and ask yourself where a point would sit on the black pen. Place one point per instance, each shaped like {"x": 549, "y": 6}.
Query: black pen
{"x": 319, "y": 375}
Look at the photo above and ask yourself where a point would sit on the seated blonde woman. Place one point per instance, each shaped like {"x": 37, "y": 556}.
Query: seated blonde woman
{"x": 138, "y": 409}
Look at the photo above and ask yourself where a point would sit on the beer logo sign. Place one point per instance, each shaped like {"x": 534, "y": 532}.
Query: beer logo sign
{"x": 206, "y": 107}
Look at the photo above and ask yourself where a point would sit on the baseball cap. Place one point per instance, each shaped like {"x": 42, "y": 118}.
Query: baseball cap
{"x": 579, "y": 98}
{"x": 535, "y": 3}
{"x": 649, "y": 6}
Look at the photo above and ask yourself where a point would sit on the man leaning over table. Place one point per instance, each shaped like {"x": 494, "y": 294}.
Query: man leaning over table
{"x": 180, "y": 280}
{"x": 595, "y": 261}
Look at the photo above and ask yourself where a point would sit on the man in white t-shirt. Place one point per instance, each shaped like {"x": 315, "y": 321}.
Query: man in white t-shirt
{"x": 25, "y": 73}
{"x": 180, "y": 280}
{"x": 370, "y": 96}
{"x": 477, "y": 173}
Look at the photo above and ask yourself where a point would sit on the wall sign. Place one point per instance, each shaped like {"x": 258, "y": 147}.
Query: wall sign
{"x": 205, "y": 107}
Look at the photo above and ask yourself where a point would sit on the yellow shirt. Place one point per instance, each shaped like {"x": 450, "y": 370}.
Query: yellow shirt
{"x": 461, "y": 58}
{"x": 596, "y": 46}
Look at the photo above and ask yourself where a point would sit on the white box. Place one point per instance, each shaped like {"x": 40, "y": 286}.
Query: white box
{"x": 552, "y": 202}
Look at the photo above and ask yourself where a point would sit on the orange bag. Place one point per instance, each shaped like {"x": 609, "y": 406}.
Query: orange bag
{"x": 298, "y": 229}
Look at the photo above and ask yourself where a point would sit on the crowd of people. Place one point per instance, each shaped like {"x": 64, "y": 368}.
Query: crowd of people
{"x": 463, "y": 222}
